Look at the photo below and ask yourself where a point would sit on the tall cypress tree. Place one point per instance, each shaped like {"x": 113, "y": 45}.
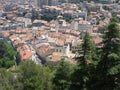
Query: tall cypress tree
{"x": 109, "y": 65}
{"x": 88, "y": 48}
{"x": 82, "y": 72}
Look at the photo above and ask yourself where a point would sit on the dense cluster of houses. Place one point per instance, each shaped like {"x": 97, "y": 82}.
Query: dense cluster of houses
{"x": 50, "y": 41}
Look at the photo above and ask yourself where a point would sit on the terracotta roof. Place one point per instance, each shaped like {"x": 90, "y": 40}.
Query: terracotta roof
{"x": 56, "y": 56}
{"x": 97, "y": 40}
{"x": 60, "y": 42}
{"x": 5, "y": 33}
{"x": 25, "y": 55}
{"x": 44, "y": 47}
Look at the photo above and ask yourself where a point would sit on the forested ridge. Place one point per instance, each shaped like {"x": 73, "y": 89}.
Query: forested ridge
{"x": 96, "y": 69}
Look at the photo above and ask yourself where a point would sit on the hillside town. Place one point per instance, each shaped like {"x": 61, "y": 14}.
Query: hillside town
{"x": 46, "y": 30}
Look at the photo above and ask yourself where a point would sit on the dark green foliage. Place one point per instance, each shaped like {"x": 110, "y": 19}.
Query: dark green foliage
{"x": 61, "y": 76}
{"x": 51, "y": 65}
{"x": 68, "y": 19}
{"x": 4, "y": 81}
{"x": 84, "y": 71}
{"x": 88, "y": 48}
{"x": 49, "y": 16}
{"x": 114, "y": 14}
{"x": 15, "y": 80}
{"x": 27, "y": 76}
{"x": 79, "y": 77}
{"x": 30, "y": 74}
{"x": 7, "y": 54}
{"x": 114, "y": 19}
{"x": 35, "y": 77}
{"x": 109, "y": 64}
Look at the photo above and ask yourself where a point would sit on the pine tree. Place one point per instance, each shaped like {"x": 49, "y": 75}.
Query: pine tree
{"x": 82, "y": 72}
{"x": 88, "y": 48}
{"x": 109, "y": 65}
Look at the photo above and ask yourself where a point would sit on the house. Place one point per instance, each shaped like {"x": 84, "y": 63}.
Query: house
{"x": 25, "y": 21}
{"x": 38, "y": 23}
{"x": 44, "y": 50}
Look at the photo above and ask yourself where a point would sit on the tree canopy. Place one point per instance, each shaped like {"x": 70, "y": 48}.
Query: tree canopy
{"x": 7, "y": 54}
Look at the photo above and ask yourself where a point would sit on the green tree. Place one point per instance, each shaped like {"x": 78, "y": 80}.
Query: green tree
{"x": 47, "y": 78}
{"x": 85, "y": 68}
{"x": 7, "y": 54}
{"x": 34, "y": 77}
{"x": 15, "y": 80}
{"x": 109, "y": 65}
{"x": 4, "y": 81}
{"x": 61, "y": 76}
{"x": 88, "y": 48}
{"x": 114, "y": 19}
{"x": 27, "y": 76}
{"x": 30, "y": 74}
